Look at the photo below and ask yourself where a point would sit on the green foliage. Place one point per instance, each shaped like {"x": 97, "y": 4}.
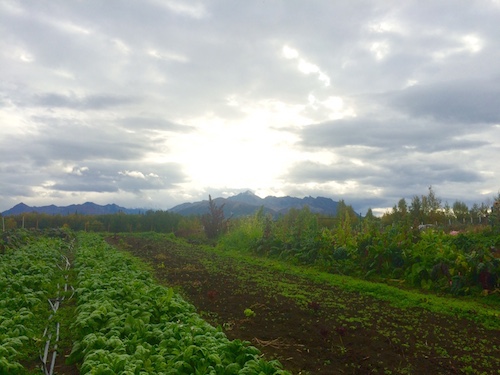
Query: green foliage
{"x": 158, "y": 221}
{"x": 128, "y": 324}
{"x": 494, "y": 217}
{"x": 246, "y": 233}
{"x": 460, "y": 211}
{"x": 386, "y": 249}
{"x": 249, "y": 313}
{"x": 27, "y": 270}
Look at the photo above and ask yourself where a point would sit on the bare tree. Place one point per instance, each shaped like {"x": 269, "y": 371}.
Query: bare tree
{"x": 214, "y": 222}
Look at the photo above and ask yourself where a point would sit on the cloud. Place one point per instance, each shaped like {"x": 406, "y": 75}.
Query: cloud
{"x": 401, "y": 135}
{"x": 133, "y": 174}
{"x": 464, "y": 102}
{"x": 305, "y": 66}
{"x": 195, "y": 10}
{"x": 151, "y": 122}
{"x": 91, "y": 102}
{"x": 157, "y": 102}
{"x": 84, "y": 187}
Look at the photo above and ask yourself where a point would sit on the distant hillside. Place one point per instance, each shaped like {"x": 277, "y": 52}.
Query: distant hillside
{"x": 87, "y": 208}
{"x": 248, "y": 203}
{"x": 243, "y": 204}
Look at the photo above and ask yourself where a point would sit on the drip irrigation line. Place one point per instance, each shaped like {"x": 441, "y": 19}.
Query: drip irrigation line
{"x": 55, "y": 304}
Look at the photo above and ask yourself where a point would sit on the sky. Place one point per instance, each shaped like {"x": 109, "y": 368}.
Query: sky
{"x": 153, "y": 103}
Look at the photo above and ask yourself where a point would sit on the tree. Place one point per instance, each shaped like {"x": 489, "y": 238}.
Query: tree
{"x": 494, "y": 217}
{"x": 448, "y": 212}
{"x": 214, "y": 222}
{"x": 431, "y": 206}
{"x": 346, "y": 217}
{"x": 402, "y": 207}
{"x": 416, "y": 210}
{"x": 475, "y": 213}
{"x": 461, "y": 211}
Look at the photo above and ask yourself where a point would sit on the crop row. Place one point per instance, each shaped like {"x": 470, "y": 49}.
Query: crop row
{"x": 27, "y": 275}
{"x": 128, "y": 324}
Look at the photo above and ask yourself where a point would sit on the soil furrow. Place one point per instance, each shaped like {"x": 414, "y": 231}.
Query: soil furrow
{"x": 312, "y": 327}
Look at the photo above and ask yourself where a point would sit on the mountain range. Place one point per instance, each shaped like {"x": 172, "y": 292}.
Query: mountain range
{"x": 87, "y": 208}
{"x": 248, "y": 203}
{"x": 243, "y": 204}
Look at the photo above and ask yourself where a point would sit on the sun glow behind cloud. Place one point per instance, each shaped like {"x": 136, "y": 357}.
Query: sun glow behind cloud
{"x": 256, "y": 150}
{"x": 243, "y": 154}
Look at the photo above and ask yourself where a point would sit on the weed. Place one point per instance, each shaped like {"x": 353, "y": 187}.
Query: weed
{"x": 249, "y": 313}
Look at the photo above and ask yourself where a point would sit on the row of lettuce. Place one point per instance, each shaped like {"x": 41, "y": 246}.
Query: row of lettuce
{"x": 28, "y": 277}
{"x": 125, "y": 323}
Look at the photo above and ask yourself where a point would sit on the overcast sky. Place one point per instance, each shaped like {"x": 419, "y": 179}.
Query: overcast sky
{"x": 153, "y": 103}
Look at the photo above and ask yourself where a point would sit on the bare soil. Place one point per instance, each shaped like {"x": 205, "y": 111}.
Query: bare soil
{"x": 316, "y": 328}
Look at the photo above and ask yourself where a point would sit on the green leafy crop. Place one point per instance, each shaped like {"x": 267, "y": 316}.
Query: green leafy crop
{"x": 128, "y": 324}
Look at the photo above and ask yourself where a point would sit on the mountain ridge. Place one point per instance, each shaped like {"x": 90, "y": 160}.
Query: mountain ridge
{"x": 247, "y": 203}
{"x": 87, "y": 208}
{"x": 243, "y": 204}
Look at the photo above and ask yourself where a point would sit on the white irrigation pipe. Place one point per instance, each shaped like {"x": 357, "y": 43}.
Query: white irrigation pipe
{"x": 53, "y": 363}
{"x": 46, "y": 352}
{"x": 55, "y": 303}
{"x": 72, "y": 294}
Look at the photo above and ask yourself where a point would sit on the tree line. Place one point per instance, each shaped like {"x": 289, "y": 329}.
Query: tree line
{"x": 454, "y": 253}
{"x": 429, "y": 209}
{"x": 450, "y": 256}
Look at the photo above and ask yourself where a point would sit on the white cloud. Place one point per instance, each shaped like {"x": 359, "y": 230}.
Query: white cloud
{"x": 167, "y": 56}
{"x": 290, "y": 53}
{"x": 192, "y": 9}
{"x": 26, "y": 57}
{"x": 305, "y": 66}
{"x": 334, "y": 107}
{"x": 121, "y": 46}
{"x": 384, "y": 27}
{"x": 380, "y": 49}
{"x": 472, "y": 43}
{"x": 411, "y": 82}
{"x": 133, "y": 174}
{"x": 79, "y": 171}
{"x": 464, "y": 44}
{"x": 71, "y": 27}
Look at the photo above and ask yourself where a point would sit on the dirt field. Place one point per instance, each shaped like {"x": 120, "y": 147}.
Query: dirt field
{"x": 313, "y": 327}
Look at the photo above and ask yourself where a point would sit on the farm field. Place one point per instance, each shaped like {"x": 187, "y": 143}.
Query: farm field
{"x": 317, "y": 323}
{"x": 36, "y": 303}
{"x": 117, "y": 319}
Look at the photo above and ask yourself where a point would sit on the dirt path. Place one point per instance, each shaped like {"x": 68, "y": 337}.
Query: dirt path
{"x": 314, "y": 328}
